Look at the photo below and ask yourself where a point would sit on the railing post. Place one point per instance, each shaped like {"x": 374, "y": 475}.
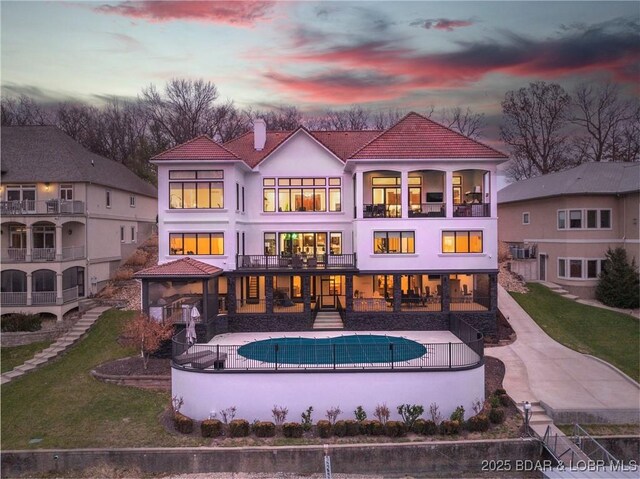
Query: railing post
{"x": 449, "y": 355}
{"x": 276, "y": 347}
{"x": 334, "y": 355}
{"x": 391, "y": 349}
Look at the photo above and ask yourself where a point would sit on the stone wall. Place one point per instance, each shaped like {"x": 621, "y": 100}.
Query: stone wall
{"x": 397, "y": 321}
{"x": 271, "y": 322}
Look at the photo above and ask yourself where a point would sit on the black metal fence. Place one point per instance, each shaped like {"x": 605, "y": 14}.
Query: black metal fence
{"x": 299, "y": 261}
{"x": 474, "y": 210}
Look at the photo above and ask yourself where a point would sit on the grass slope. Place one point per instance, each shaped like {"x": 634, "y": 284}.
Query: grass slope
{"x": 66, "y": 407}
{"x": 17, "y": 355}
{"x": 611, "y": 336}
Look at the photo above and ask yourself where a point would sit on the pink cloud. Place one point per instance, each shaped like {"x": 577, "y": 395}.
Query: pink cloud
{"x": 241, "y": 14}
{"x": 445, "y": 24}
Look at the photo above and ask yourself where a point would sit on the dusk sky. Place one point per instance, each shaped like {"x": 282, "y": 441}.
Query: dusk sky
{"x": 318, "y": 55}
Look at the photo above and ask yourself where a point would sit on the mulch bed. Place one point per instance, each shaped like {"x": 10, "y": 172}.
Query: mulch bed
{"x": 134, "y": 367}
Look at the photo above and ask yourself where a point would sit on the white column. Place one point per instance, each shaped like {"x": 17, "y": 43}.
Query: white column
{"x": 58, "y": 242}
{"x": 29, "y": 243}
{"x": 448, "y": 193}
{"x": 493, "y": 193}
{"x": 29, "y": 289}
{"x": 359, "y": 186}
{"x": 404, "y": 193}
{"x": 59, "y": 289}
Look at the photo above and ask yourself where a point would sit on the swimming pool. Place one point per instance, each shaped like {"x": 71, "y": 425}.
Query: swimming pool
{"x": 337, "y": 350}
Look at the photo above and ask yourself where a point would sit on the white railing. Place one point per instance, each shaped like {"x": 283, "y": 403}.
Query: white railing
{"x": 73, "y": 252}
{"x": 43, "y": 297}
{"x": 13, "y": 299}
{"x": 45, "y": 207}
{"x": 14, "y": 255}
{"x": 43, "y": 254}
{"x": 70, "y": 294}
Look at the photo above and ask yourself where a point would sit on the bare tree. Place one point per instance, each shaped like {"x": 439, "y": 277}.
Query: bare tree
{"x": 282, "y": 118}
{"x": 383, "y": 119}
{"x": 354, "y": 118}
{"x": 601, "y": 113}
{"x": 534, "y": 121}
{"x": 625, "y": 139}
{"x": 466, "y": 122}
{"x": 23, "y": 111}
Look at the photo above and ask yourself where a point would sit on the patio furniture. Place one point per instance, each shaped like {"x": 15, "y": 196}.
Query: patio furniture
{"x": 312, "y": 262}
{"x": 296, "y": 262}
{"x": 186, "y": 358}
{"x": 211, "y": 359}
{"x": 284, "y": 262}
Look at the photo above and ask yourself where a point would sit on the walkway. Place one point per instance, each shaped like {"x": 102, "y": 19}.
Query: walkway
{"x": 59, "y": 347}
{"x": 570, "y": 386}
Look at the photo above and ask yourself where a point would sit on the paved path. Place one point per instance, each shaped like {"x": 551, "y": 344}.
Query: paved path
{"x": 57, "y": 348}
{"x": 569, "y": 385}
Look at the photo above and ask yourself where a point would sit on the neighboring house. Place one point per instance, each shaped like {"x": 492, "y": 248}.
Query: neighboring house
{"x": 69, "y": 217}
{"x": 393, "y": 229}
{"x": 560, "y": 225}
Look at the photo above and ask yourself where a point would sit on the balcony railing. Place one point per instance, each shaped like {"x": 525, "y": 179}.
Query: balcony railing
{"x": 381, "y": 211}
{"x": 43, "y": 254}
{"x": 427, "y": 210}
{"x": 308, "y": 262}
{"x": 73, "y": 252}
{"x": 14, "y": 255}
{"x": 473, "y": 210}
{"x": 43, "y": 207}
{"x": 470, "y": 303}
{"x": 43, "y": 297}
{"x": 69, "y": 294}
{"x": 13, "y": 299}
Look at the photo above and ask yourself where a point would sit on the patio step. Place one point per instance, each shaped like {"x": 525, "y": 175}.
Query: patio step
{"x": 63, "y": 343}
{"x": 328, "y": 320}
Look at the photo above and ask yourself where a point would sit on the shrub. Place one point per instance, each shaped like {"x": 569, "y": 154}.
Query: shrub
{"x": 371, "y": 427}
{"x": 353, "y": 427}
{"x": 478, "y": 423}
{"x": 333, "y": 413}
{"x": 395, "y": 429}
{"x": 434, "y": 412}
{"x": 211, "y": 428}
{"x": 340, "y": 428}
{"x": 494, "y": 401}
{"x": 499, "y": 392}
{"x": 183, "y": 423}
{"x": 228, "y": 414}
{"x": 458, "y": 415}
{"x": 430, "y": 428}
{"x": 409, "y": 413}
{"x": 449, "y": 428}
{"x": 324, "y": 428}
{"x": 618, "y": 283}
{"x": 360, "y": 414}
{"x": 279, "y": 414}
{"x": 504, "y": 400}
{"x": 496, "y": 415}
{"x": 238, "y": 428}
{"x": 292, "y": 429}
{"x": 306, "y": 419}
{"x": 418, "y": 426}
{"x": 12, "y": 323}
{"x": 382, "y": 413}
{"x": 264, "y": 429}
{"x": 146, "y": 335}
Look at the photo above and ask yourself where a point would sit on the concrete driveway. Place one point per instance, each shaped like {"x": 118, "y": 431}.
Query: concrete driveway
{"x": 570, "y": 386}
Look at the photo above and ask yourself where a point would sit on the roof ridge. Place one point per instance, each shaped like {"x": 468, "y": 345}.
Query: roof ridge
{"x": 203, "y": 135}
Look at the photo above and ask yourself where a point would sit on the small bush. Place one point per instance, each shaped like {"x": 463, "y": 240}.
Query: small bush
{"x": 12, "y": 323}
{"x": 496, "y": 415}
{"x": 382, "y": 413}
{"x": 264, "y": 429}
{"x": 306, "y": 419}
{"x": 371, "y": 427}
{"x": 238, "y": 428}
{"x": 504, "y": 400}
{"x": 292, "y": 429}
{"x": 340, "y": 428}
{"x": 494, "y": 401}
{"x": 430, "y": 428}
{"x": 418, "y": 426}
{"x": 333, "y": 413}
{"x": 360, "y": 414}
{"x": 279, "y": 414}
{"x": 409, "y": 413}
{"x": 395, "y": 429}
{"x": 449, "y": 428}
{"x": 499, "y": 392}
{"x": 478, "y": 423}
{"x": 434, "y": 412}
{"x": 211, "y": 428}
{"x": 324, "y": 428}
{"x": 353, "y": 427}
{"x": 183, "y": 423}
{"x": 458, "y": 415}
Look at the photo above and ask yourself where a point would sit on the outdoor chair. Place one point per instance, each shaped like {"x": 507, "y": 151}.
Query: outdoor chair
{"x": 296, "y": 262}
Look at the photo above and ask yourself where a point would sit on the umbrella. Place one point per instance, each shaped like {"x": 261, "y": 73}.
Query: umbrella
{"x": 191, "y": 325}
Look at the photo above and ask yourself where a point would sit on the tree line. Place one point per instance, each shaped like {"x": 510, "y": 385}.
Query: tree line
{"x": 545, "y": 128}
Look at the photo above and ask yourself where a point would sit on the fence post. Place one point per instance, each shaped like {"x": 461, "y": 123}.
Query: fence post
{"x": 391, "y": 349}
{"x": 275, "y": 347}
{"x": 334, "y": 354}
{"x": 449, "y": 355}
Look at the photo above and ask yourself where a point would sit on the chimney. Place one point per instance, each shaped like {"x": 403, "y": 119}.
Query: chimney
{"x": 259, "y": 133}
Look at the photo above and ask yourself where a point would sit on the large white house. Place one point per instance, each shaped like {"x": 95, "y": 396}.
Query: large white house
{"x": 393, "y": 229}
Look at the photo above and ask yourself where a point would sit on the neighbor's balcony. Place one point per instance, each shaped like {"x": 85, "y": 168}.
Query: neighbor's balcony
{"x": 308, "y": 262}
{"x": 19, "y": 255}
{"x": 43, "y": 254}
{"x": 14, "y": 299}
{"x": 473, "y": 210}
{"x": 43, "y": 297}
{"x": 73, "y": 252}
{"x": 44, "y": 207}
{"x": 14, "y": 255}
{"x": 69, "y": 294}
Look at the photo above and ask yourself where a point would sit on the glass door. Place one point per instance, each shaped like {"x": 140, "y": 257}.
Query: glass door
{"x": 327, "y": 296}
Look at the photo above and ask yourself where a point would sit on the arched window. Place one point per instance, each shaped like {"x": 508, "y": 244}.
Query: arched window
{"x": 73, "y": 277}
{"x": 14, "y": 281}
{"x": 43, "y": 280}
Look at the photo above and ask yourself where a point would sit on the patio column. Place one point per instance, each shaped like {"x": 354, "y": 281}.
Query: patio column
{"x": 448, "y": 193}
{"x": 58, "y": 242}
{"x": 359, "y": 187}
{"x": 493, "y": 292}
{"x": 59, "y": 290}
{"x": 348, "y": 291}
{"x": 397, "y": 292}
{"x": 446, "y": 293}
{"x": 29, "y": 290}
{"x": 306, "y": 293}
{"x": 404, "y": 193}
{"x": 145, "y": 296}
{"x": 205, "y": 300}
{"x": 268, "y": 293}
{"x": 29, "y": 244}
{"x": 231, "y": 295}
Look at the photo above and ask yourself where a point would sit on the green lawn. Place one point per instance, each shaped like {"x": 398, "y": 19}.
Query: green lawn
{"x": 611, "y": 336}
{"x": 15, "y": 356}
{"x": 63, "y": 405}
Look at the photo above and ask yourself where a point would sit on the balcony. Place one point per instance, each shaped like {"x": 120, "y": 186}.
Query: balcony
{"x": 14, "y": 255}
{"x": 296, "y": 262}
{"x": 473, "y": 210}
{"x": 43, "y": 297}
{"x": 73, "y": 252}
{"x": 45, "y": 207}
{"x": 382, "y": 211}
{"x": 14, "y": 299}
{"x": 427, "y": 210}
{"x": 43, "y": 254}
{"x": 69, "y": 294}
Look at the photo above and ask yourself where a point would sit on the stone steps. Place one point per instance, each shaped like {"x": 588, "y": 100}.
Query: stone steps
{"x": 328, "y": 320}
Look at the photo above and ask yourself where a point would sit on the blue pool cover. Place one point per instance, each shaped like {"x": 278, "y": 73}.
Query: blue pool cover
{"x": 338, "y": 350}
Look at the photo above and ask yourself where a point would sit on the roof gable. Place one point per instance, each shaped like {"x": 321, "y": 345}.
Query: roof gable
{"x": 244, "y": 148}
{"x": 418, "y": 137}
{"x": 184, "y": 267}
{"x": 199, "y": 148}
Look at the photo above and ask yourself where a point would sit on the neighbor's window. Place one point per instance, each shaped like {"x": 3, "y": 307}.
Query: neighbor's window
{"x": 199, "y": 193}
{"x": 562, "y": 268}
{"x": 122, "y": 234}
{"x": 585, "y": 219}
{"x": 66, "y": 192}
{"x": 525, "y": 218}
{"x": 392, "y": 242}
{"x": 605, "y": 219}
{"x": 575, "y": 219}
{"x": 462, "y": 241}
{"x": 107, "y": 199}
{"x": 562, "y": 219}
{"x": 196, "y": 243}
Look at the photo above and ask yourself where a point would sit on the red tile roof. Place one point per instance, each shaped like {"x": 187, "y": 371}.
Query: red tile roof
{"x": 200, "y": 148}
{"x": 345, "y": 143}
{"x": 183, "y": 267}
{"x": 243, "y": 146}
{"x": 417, "y": 137}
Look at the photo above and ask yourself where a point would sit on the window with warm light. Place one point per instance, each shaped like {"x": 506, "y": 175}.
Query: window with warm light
{"x": 199, "y": 193}
{"x": 181, "y": 244}
{"x": 462, "y": 241}
{"x": 393, "y": 242}
{"x": 301, "y": 194}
